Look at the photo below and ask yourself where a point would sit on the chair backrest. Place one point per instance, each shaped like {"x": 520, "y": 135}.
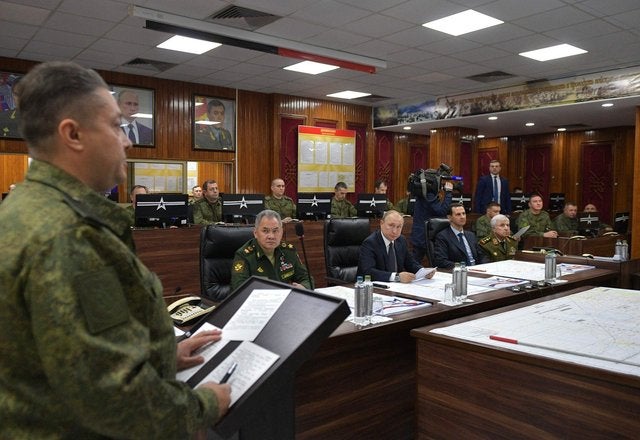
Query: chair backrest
{"x": 342, "y": 240}
{"x": 433, "y": 227}
{"x": 218, "y": 244}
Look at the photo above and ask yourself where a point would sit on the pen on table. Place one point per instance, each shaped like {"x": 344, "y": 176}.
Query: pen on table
{"x": 382, "y": 286}
{"x": 228, "y": 374}
{"x": 476, "y": 270}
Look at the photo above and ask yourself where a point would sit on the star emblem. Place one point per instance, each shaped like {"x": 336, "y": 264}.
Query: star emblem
{"x": 373, "y": 202}
{"x": 314, "y": 202}
{"x": 243, "y": 203}
{"x": 161, "y": 205}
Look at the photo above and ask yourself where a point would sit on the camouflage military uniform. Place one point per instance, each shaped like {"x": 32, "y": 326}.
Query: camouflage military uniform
{"x": 251, "y": 260}
{"x": 342, "y": 209}
{"x": 540, "y": 223}
{"x": 498, "y": 250}
{"x": 564, "y": 224}
{"x": 283, "y": 206}
{"x": 205, "y": 213}
{"x": 403, "y": 206}
{"x": 483, "y": 226}
{"x": 87, "y": 347}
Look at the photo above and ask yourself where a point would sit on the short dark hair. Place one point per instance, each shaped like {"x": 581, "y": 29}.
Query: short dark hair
{"x": 214, "y": 103}
{"x": 340, "y": 185}
{"x": 53, "y": 91}
{"x": 379, "y": 182}
{"x": 206, "y": 183}
{"x": 492, "y": 204}
{"x": 454, "y": 205}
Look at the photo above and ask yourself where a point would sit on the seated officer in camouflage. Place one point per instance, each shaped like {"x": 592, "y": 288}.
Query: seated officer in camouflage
{"x": 208, "y": 209}
{"x": 88, "y": 349}
{"x": 280, "y": 203}
{"x": 483, "y": 224}
{"x": 268, "y": 256}
{"x": 380, "y": 187}
{"x": 567, "y": 223}
{"x": 499, "y": 245}
{"x": 538, "y": 220}
{"x": 590, "y": 207}
{"x": 340, "y": 206}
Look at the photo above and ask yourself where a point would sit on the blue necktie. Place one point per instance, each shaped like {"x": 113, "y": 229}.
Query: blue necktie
{"x": 495, "y": 189}
{"x": 470, "y": 260}
{"x": 132, "y": 135}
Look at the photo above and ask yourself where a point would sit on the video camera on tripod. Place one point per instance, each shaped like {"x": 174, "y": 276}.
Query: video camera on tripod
{"x": 430, "y": 181}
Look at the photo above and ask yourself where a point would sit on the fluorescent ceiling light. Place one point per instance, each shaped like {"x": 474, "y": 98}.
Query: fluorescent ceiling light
{"x": 530, "y": 124}
{"x": 492, "y": 118}
{"x": 311, "y": 67}
{"x": 348, "y": 94}
{"x": 188, "y": 45}
{"x": 608, "y": 104}
{"x": 562, "y": 129}
{"x": 553, "y": 52}
{"x": 463, "y": 23}
{"x": 406, "y": 127}
{"x": 480, "y": 136}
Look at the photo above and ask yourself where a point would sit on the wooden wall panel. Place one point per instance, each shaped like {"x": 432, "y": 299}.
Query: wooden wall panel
{"x": 12, "y": 170}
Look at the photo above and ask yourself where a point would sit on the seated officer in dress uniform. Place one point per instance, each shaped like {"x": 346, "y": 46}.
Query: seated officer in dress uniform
{"x": 280, "y": 203}
{"x": 499, "y": 245}
{"x": 268, "y": 256}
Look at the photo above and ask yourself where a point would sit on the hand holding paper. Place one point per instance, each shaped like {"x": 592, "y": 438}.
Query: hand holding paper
{"x": 425, "y": 272}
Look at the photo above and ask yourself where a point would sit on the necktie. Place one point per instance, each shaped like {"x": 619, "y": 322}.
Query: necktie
{"x": 495, "y": 189}
{"x": 132, "y": 135}
{"x": 393, "y": 263}
{"x": 470, "y": 260}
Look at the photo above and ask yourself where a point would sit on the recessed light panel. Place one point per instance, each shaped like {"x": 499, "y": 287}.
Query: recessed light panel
{"x": 492, "y": 118}
{"x": 608, "y": 104}
{"x": 553, "y": 52}
{"x": 348, "y": 94}
{"x": 188, "y": 45}
{"x": 311, "y": 67}
{"x": 530, "y": 124}
{"x": 463, "y": 23}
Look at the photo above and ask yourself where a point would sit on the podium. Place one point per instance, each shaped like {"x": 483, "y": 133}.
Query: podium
{"x": 303, "y": 321}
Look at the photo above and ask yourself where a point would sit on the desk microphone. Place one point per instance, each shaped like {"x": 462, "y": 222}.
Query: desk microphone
{"x": 300, "y": 234}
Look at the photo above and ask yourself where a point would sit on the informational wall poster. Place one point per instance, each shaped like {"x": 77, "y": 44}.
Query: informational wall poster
{"x": 326, "y": 156}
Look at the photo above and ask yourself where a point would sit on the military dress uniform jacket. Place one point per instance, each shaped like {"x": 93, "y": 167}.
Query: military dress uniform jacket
{"x": 566, "y": 225}
{"x": 539, "y": 224}
{"x": 498, "y": 250}
{"x": 205, "y": 213}
{"x": 342, "y": 209}
{"x": 87, "y": 347}
{"x": 250, "y": 260}
{"x": 283, "y": 206}
{"x": 213, "y": 138}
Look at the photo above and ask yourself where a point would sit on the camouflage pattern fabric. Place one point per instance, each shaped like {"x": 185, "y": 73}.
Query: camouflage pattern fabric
{"x": 483, "y": 226}
{"x": 566, "y": 225}
{"x": 342, "y": 209}
{"x": 539, "y": 224}
{"x": 205, "y": 213}
{"x": 283, "y": 206}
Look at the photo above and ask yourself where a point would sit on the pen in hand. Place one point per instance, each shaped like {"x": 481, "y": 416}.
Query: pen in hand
{"x": 228, "y": 374}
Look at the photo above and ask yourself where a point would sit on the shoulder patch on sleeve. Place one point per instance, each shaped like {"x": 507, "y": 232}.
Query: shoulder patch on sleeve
{"x": 101, "y": 299}
{"x": 239, "y": 266}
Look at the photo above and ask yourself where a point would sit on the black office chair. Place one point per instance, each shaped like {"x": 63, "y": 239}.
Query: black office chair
{"x": 342, "y": 240}
{"x": 218, "y": 244}
{"x": 432, "y": 227}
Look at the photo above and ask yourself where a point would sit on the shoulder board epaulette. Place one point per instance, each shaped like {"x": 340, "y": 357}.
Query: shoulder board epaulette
{"x": 485, "y": 240}
{"x": 249, "y": 249}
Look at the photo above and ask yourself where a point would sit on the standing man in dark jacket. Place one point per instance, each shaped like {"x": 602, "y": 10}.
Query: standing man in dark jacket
{"x": 492, "y": 188}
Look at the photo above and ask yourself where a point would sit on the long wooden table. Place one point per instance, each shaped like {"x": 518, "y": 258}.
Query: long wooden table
{"x": 604, "y": 246}
{"x": 361, "y": 382}
{"x": 473, "y": 390}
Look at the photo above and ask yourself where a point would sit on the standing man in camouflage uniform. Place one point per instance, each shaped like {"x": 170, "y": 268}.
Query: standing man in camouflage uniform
{"x": 499, "y": 245}
{"x": 340, "y": 206}
{"x": 567, "y": 222}
{"x": 538, "y": 220}
{"x": 483, "y": 224}
{"x": 280, "y": 203}
{"x": 87, "y": 347}
{"x": 208, "y": 209}
{"x": 268, "y": 256}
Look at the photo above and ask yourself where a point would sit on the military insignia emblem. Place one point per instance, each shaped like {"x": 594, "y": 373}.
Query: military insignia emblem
{"x": 260, "y": 269}
{"x": 238, "y": 267}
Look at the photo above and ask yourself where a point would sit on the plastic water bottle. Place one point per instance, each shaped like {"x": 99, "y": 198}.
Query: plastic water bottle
{"x": 624, "y": 255}
{"x": 360, "y": 303}
{"x": 368, "y": 290}
{"x": 463, "y": 282}
{"x": 457, "y": 282}
{"x": 618, "y": 252}
{"x": 550, "y": 267}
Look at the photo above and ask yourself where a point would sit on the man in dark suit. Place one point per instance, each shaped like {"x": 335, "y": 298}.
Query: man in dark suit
{"x": 455, "y": 245}
{"x": 385, "y": 255}
{"x": 129, "y": 104}
{"x": 492, "y": 188}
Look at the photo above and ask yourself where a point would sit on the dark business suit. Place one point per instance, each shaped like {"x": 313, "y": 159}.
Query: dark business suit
{"x": 374, "y": 258}
{"x": 145, "y": 134}
{"x": 484, "y": 195}
{"x": 448, "y": 250}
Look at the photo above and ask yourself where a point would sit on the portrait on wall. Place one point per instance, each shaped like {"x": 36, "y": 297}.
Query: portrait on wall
{"x": 214, "y": 123}
{"x": 8, "y": 105}
{"x": 137, "y": 121}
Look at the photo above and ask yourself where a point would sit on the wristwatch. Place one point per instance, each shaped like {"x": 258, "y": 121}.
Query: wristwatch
{"x": 397, "y": 278}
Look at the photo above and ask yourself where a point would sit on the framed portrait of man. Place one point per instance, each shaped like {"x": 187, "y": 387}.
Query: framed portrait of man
{"x": 8, "y": 105}
{"x": 214, "y": 123}
{"x": 137, "y": 121}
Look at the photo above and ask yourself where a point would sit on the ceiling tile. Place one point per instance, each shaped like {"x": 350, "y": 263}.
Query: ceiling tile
{"x": 21, "y": 13}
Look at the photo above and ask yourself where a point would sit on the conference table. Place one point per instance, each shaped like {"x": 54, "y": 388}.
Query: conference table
{"x": 470, "y": 386}
{"x": 603, "y": 246}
